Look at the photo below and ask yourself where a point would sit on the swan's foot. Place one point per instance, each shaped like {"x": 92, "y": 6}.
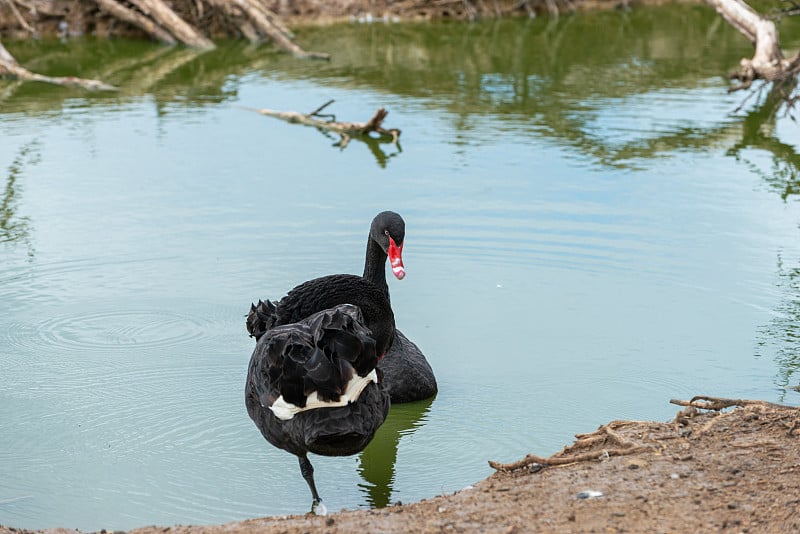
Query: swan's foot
{"x": 319, "y": 508}
{"x": 307, "y": 470}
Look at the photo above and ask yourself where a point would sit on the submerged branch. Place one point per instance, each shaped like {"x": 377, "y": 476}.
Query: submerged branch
{"x": 767, "y": 62}
{"x": 345, "y": 129}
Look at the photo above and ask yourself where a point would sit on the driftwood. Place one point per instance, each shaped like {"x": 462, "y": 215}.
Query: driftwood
{"x": 717, "y": 403}
{"x": 328, "y": 123}
{"x": 10, "y": 67}
{"x": 788, "y": 416}
{"x": 604, "y": 434}
{"x": 167, "y": 18}
{"x": 167, "y": 21}
{"x": 256, "y": 21}
{"x": 767, "y": 62}
{"x": 137, "y": 19}
{"x": 607, "y": 434}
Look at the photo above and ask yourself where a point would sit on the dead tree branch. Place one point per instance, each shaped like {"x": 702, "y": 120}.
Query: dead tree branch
{"x": 168, "y": 19}
{"x": 767, "y": 62}
{"x": 20, "y": 18}
{"x": 266, "y": 24}
{"x": 10, "y": 67}
{"x": 568, "y": 455}
{"x": 137, "y": 19}
{"x": 345, "y": 129}
{"x": 717, "y": 403}
{"x": 609, "y": 441}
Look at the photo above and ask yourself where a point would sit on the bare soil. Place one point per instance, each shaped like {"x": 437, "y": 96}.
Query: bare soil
{"x": 706, "y": 471}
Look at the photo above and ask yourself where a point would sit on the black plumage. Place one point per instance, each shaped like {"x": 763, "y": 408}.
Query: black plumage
{"x": 323, "y": 334}
{"x": 328, "y": 291}
{"x": 314, "y": 360}
{"x": 407, "y": 375}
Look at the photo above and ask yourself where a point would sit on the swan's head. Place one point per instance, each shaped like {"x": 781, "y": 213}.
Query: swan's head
{"x": 389, "y": 230}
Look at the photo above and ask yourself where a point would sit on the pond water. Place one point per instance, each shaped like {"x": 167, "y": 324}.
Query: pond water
{"x": 593, "y": 228}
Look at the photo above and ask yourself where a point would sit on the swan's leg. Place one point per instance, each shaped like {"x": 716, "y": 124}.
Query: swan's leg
{"x": 308, "y": 473}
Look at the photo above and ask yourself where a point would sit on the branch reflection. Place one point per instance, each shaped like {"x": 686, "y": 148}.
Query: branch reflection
{"x": 13, "y": 227}
{"x": 781, "y": 336}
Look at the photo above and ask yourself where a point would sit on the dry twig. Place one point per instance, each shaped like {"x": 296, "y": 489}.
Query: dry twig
{"x": 608, "y": 434}
{"x": 568, "y": 455}
{"x": 718, "y": 403}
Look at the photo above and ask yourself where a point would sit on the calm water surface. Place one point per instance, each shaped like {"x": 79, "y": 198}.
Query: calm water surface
{"x": 593, "y": 229}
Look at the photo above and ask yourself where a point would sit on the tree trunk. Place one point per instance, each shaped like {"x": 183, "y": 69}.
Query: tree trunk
{"x": 767, "y": 62}
{"x": 137, "y": 19}
{"x": 165, "y": 17}
{"x": 164, "y": 20}
{"x": 345, "y": 129}
{"x": 257, "y": 20}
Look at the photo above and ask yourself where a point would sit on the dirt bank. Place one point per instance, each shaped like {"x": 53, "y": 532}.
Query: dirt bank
{"x": 733, "y": 471}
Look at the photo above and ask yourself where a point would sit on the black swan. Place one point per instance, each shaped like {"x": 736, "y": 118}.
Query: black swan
{"x": 312, "y": 385}
{"x": 288, "y": 367}
{"x": 407, "y": 375}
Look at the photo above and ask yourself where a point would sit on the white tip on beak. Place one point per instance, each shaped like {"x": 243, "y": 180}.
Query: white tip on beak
{"x": 399, "y": 272}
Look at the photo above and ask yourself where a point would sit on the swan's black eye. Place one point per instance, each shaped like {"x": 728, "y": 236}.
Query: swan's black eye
{"x": 386, "y": 232}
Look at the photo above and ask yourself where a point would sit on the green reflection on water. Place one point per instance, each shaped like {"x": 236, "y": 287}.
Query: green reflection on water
{"x": 377, "y": 461}
{"x": 15, "y": 228}
{"x": 782, "y": 334}
{"x": 543, "y": 77}
{"x": 758, "y": 131}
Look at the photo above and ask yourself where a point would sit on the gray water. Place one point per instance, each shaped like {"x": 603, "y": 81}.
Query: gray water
{"x": 592, "y": 229}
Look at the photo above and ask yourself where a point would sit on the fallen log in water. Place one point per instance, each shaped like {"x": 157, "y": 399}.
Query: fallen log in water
{"x": 345, "y": 129}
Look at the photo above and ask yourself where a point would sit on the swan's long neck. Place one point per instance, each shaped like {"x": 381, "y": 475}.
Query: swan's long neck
{"x": 375, "y": 265}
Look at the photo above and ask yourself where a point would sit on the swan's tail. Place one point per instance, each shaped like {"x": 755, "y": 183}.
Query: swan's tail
{"x": 325, "y": 360}
{"x": 262, "y": 317}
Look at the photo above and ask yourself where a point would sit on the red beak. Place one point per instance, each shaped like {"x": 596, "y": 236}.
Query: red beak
{"x": 396, "y": 259}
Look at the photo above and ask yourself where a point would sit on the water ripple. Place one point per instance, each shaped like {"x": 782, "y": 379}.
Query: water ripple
{"x": 110, "y": 330}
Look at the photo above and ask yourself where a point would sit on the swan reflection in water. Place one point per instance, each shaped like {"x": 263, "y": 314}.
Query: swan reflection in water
{"x": 377, "y": 461}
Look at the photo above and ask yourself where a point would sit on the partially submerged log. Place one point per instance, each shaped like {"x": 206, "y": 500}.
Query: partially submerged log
{"x": 767, "y": 62}
{"x": 328, "y": 123}
{"x": 10, "y": 67}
